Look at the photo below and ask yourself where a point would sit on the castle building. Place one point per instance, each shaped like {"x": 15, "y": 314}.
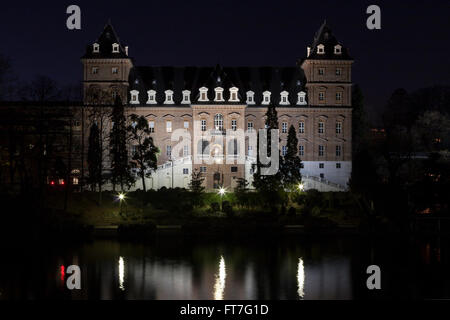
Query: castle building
{"x": 219, "y": 108}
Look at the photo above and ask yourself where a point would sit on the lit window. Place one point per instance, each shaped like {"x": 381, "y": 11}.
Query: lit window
{"x": 338, "y": 127}
{"x": 74, "y": 180}
{"x": 168, "y": 151}
{"x": 94, "y": 70}
{"x": 151, "y": 126}
{"x": 250, "y": 126}
{"x": 185, "y": 171}
{"x": 338, "y": 96}
{"x": 321, "y": 127}
{"x": 115, "y": 48}
{"x": 233, "y": 125}
{"x": 338, "y": 151}
{"x": 321, "y": 96}
{"x": 203, "y": 125}
{"x": 321, "y": 151}
{"x": 301, "y": 127}
{"x": 250, "y": 150}
{"x": 284, "y": 127}
{"x": 115, "y": 70}
{"x": 168, "y": 126}
{"x": 186, "y": 124}
{"x": 301, "y": 150}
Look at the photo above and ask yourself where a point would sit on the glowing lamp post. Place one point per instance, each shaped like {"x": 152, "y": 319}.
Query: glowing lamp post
{"x": 301, "y": 187}
{"x": 121, "y": 197}
{"x": 221, "y": 192}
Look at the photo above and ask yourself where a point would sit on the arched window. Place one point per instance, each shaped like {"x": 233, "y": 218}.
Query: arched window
{"x": 218, "y": 122}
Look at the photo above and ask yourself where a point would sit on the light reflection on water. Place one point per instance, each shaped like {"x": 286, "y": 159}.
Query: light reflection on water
{"x": 180, "y": 269}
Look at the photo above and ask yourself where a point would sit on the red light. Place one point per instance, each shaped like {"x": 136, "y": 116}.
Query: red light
{"x": 62, "y": 274}
{"x": 52, "y": 183}
{"x": 62, "y": 182}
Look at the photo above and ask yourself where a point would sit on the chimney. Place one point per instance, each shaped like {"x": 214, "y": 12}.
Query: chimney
{"x": 126, "y": 50}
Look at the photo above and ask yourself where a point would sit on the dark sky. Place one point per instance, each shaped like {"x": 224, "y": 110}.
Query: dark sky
{"x": 410, "y": 51}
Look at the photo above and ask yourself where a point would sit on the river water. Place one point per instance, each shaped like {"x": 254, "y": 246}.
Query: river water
{"x": 176, "y": 267}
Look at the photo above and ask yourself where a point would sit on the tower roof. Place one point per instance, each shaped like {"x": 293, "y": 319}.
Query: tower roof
{"x": 107, "y": 38}
{"x": 324, "y": 36}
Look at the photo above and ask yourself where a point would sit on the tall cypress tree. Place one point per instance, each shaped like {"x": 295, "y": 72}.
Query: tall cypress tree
{"x": 94, "y": 157}
{"x": 291, "y": 164}
{"x": 120, "y": 167}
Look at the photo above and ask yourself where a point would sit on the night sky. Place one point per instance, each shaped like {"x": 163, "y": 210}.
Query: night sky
{"x": 410, "y": 51}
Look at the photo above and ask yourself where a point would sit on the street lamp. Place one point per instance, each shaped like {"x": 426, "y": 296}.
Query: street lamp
{"x": 301, "y": 186}
{"x": 121, "y": 197}
{"x": 222, "y": 191}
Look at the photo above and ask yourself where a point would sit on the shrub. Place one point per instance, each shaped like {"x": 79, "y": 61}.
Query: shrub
{"x": 215, "y": 206}
{"x": 228, "y": 209}
{"x": 291, "y": 212}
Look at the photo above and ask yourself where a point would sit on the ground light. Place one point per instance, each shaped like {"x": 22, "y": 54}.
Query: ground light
{"x": 121, "y": 198}
{"x": 222, "y": 192}
{"x": 301, "y": 187}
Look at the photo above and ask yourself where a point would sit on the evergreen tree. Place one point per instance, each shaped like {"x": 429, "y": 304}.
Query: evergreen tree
{"x": 94, "y": 157}
{"x": 291, "y": 165}
{"x": 145, "y": 154}
{"x": 120, "y": 166}
{"x": 196, "y": 187}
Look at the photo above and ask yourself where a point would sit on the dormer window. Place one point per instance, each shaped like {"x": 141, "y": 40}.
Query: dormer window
{"x": 115, "y": 48}
{"x": 301, "y": 100}
{"x": 219, "y": 94}
{"x": 337, "y": 49}
{"x": 234, "y": 94}
{"x": 186, "y": 97}
{"x": 203, "y": 94}
{"x": 151, "y": 97}
{"x": 96, "y": 48}
{"x": 250, "y": 97}
{"x": 284, "y": 98}
{"x": 266, "y": 97}
{"x": 134, "y": 97}
{"x": 169, "y": 97}
{"x": 320, "y": 49}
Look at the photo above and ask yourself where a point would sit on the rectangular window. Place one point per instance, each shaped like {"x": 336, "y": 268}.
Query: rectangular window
{"x": 233, "y": 125}
{"x": 203, "y": 125}
{"x": 151, "y": 126}
{"x": 321, "y": 71}
{"x": 186, "y": 124}
{"x": 234, "y": 169}
{"x": 301, "y": 150}
{"x": 338, "y": 165}
{"x": 250, "y": 150}
{"x": 185, "y": 170}
{"x": 202, "y": 169}
{"x": 321, "y": 127}
{"x": 321, "y": 96}
{"x": 338, "y": 151}
{"x": 94, "y": 70}
{"x": 250, "y": 126}
{"x": 338, "y": 96}
{"x": 168, "y": 126}
{"x": 115, "y": 70}
{"x": 284, "y": 127}
{"x": 185, "y": 151}
{"x": 322, "y": 176}
{"x": 338, "y": 127}
{"x": 283, "y": 150}
{"x": 133, "y": 149}
{"x": 321, "y": 165}
{"x": 168, "y": 151}
{"x": 338, "y": 71}
{"x": 321, "y": 151}
{"x": 301, "y": 127}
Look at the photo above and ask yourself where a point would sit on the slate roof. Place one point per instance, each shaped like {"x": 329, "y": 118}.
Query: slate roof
{"x": 257, "y": 79}
{"x": 105, "y": 40}
{"x": 326, "y": 37}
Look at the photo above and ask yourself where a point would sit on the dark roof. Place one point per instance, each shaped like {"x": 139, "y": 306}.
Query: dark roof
{"x": 257, "y": 79}
{"x": 106, "y": 40}
{"x": 325, "y": 36}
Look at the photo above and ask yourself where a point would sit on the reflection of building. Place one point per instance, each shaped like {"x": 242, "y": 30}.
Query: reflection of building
{"x": 218, "y": 102}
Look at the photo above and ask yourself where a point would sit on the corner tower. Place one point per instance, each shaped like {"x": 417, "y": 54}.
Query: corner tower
{"x": 106, "y": 66}
{"x": 328, "y": 69}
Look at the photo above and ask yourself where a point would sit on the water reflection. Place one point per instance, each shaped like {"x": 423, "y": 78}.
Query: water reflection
{"x": 219, "y": 286}
{"x": 121, "y": 274}
{"x": 300, "y": 278}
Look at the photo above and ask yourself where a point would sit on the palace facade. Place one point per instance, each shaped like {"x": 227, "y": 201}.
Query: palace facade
{"x": 219, "y": 108}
